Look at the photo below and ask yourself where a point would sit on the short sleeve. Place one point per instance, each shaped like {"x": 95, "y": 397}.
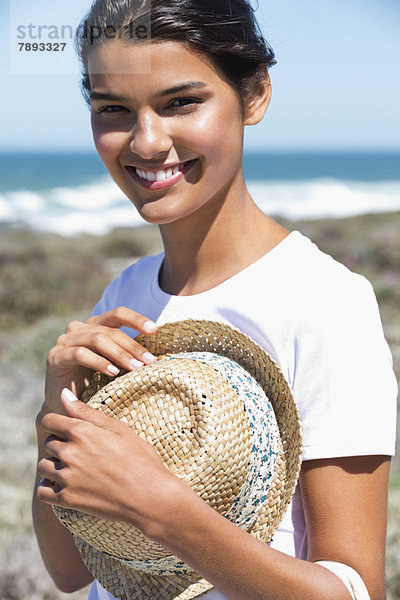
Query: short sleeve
{"x": 125, "y": 289}
{"x": 344, "y": 382}
{"x": 103, "y": 304}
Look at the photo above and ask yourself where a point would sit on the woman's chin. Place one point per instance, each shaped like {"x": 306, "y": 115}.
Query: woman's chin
{"x": 160, "y": 215}
{"x": 157, "y": 218}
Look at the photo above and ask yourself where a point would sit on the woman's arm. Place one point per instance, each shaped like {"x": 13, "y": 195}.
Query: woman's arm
{"x": 344, "y": 502}
{"x": 59, "y": 553}
{"x": 97, "y": 344}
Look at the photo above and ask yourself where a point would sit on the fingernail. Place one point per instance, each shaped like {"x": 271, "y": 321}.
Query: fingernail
{"x": 68, "y": 395}
{"x": 148, "y": 358}
{"x": 135, "y": 364}
{"x": 149, "y": 326}
{"x": 112, "y": 370}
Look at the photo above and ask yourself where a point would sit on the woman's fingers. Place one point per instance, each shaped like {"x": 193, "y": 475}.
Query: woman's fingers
{"x": 50, "y": 470}
{"x": 138, "y": 352}
{"x": 53, "y": 446}
{"x": 60, "y": 358}
{"x": 77, "y": 425}
{"x": 95, "y": 345}
{"x": 102, "y": 335}
{"x": 112, "y": 344}
{"x": 97, "y": 352}
{"x": 123, "y": 316}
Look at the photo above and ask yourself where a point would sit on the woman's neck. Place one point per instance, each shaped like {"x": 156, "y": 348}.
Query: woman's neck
{"x": 205, "y": 249}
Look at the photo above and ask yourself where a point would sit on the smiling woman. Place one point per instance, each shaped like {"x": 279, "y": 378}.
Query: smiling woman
{"x": 144, "y": 129}
{"x": 171, "y": 137}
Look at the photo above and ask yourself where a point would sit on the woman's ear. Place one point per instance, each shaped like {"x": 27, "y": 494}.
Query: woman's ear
{"x": 257, "y": 107}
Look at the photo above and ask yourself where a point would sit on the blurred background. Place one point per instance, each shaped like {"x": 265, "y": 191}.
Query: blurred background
{"x": 325, "y": 161}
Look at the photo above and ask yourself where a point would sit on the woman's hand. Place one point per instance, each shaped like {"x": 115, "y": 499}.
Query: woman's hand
{"x": 96, "y": 464}
{"x": 97, "y": 345}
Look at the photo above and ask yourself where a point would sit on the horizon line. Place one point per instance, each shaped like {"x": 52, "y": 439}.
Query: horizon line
{"x": 251, "y": 150}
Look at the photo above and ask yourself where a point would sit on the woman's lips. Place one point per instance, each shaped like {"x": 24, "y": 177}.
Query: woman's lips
{"x": 164, "y": 183}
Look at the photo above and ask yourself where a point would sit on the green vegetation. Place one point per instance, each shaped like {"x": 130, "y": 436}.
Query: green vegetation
{"x": 45, "y": 274}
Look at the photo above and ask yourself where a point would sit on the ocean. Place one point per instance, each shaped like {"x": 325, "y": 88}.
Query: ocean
{"x": 69, "y": 193}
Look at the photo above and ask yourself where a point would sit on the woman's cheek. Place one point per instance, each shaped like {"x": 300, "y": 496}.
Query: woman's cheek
{"x": 215, "y": 125}
{"x": 203, "y": 136}
{"x": 108, "y": 144}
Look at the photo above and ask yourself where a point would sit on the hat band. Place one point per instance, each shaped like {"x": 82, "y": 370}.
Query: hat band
{"x": 264, "y": 453}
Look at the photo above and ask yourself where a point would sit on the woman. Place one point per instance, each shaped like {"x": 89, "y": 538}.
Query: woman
{"x": 168, "y": 118}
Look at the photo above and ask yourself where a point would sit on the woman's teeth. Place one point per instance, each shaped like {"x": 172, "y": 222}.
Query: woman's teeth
{"x": 160, "y": 175}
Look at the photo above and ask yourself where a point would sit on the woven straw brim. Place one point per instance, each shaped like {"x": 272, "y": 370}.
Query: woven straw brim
{"x": 207, "y": 336}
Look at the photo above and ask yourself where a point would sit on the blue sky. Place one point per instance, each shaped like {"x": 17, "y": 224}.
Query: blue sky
{"x": 336, "y": 84}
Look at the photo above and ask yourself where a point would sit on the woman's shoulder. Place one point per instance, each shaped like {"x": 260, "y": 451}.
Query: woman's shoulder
{"x": 324, "y": 292}
{"x": 141, "y": 273}
{"x": 317, "y": 273}
{"x": 145, "y": 266}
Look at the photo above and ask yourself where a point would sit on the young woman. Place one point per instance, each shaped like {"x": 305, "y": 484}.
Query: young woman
{"x": 172, "y": 138}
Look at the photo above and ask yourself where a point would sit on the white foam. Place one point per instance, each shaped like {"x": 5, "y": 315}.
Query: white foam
{"x": 325, "y": 198}
{"x": 100, "y": 207}
{"x": 27, "y": 201}
{"x": 15, "y": 205}
{"x": 6, "y": 212}
{"x": 92, "y": 197}
{"x": 95, "y": 209}
{"x": 74, "y": 222}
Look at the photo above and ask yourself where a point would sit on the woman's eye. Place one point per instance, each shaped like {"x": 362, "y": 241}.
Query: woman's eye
{"x": 183, "y": 102}
{"x": 112, "y": 109}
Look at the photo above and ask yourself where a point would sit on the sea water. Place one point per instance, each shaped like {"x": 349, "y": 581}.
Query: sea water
{"x": 69, "y": 193}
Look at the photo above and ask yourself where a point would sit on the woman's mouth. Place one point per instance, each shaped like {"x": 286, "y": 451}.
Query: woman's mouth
{"x": 158, "y": 180}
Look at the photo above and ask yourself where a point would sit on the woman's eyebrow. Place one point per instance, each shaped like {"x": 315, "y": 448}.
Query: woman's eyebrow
{"x": 107, "y": 96}
{"x": 172, "y": 90}
{"x": 181, "y": 87}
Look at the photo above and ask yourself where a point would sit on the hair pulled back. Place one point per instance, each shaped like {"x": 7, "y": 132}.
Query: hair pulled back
{"x": 225, "y": 31}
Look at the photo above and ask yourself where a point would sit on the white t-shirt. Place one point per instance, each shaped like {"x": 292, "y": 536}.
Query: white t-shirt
{"x": 321, "y": 324}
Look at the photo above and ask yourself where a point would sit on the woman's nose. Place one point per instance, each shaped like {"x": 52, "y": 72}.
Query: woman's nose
{"x": 150, "y": 136}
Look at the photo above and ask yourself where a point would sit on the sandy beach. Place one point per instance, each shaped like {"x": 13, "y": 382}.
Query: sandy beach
{"x": 46, "y": 280}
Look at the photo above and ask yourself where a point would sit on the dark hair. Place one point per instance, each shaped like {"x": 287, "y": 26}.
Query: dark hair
{"x": 226, "y": 31}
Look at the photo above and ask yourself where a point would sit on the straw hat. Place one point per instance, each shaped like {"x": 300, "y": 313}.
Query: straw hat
{"x": 218, "y": 410}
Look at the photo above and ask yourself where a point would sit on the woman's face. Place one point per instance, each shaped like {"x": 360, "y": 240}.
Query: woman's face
{"x": 170, "y": 150}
